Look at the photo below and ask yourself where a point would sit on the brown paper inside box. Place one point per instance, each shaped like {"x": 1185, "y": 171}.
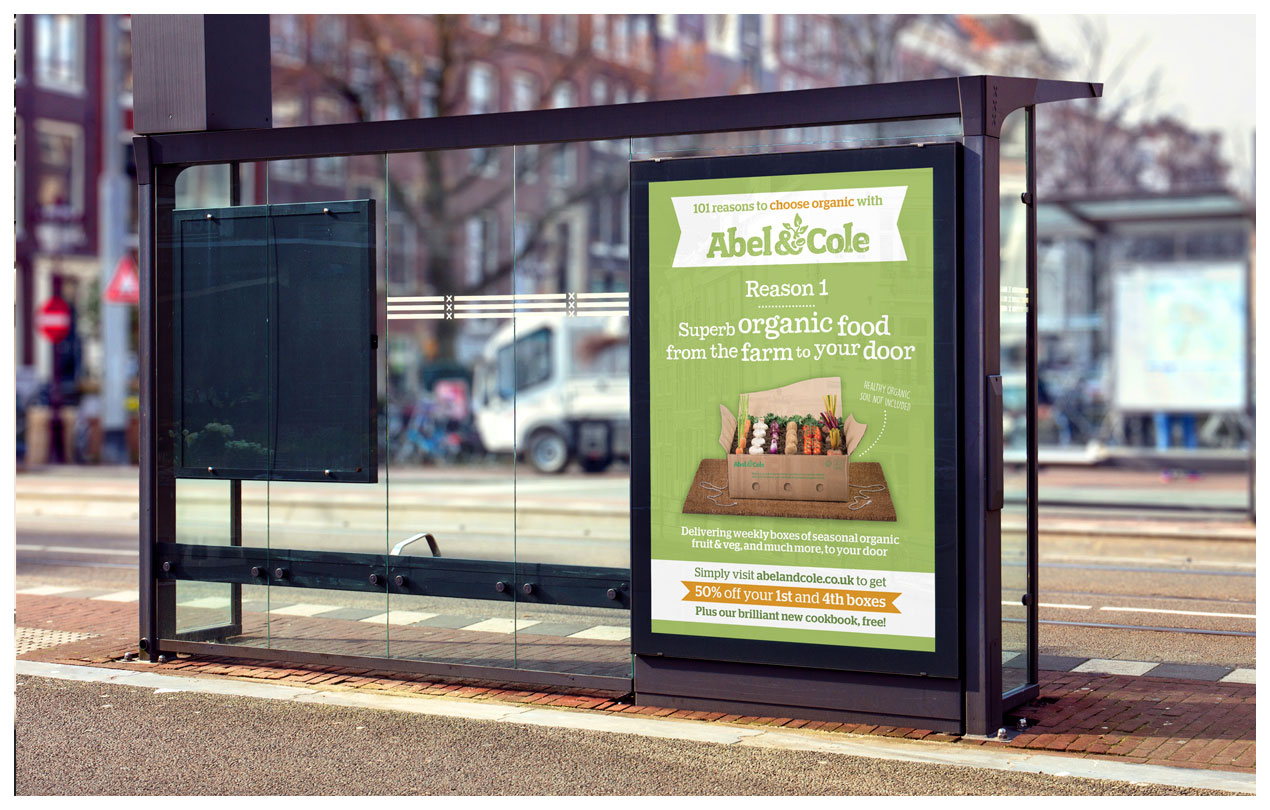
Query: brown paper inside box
{"x": 795, "y": 477}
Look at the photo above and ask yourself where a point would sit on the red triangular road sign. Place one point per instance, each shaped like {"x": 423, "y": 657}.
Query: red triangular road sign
{"x": 125, "y": 285}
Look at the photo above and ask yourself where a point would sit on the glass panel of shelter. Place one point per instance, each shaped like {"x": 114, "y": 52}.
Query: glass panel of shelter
{"x": 326, "y": 515}
{"x": 502, "y": 279}
{"x": 570, "y": 350}
{"x": 1015, "y": 303}
{"x": 451, "y": 384}
{"x": 211, "y": 511}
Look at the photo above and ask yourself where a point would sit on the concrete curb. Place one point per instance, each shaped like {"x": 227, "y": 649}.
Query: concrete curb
{"x": 665, "y": 728}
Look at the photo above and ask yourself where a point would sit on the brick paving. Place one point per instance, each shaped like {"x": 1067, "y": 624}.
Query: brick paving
{"x": 1155, "y": 720}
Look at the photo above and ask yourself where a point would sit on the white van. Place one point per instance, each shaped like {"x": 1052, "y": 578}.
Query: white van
{"x": 551, "y": 389}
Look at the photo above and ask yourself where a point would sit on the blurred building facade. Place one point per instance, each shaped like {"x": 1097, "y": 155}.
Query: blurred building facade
{"x": 63, "y": 150}
{"x": 455, "y": 225}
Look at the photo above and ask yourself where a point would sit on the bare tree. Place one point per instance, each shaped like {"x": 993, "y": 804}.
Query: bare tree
{"x": 1118, "y": 143}
{"x": 867, "y": 47}
{"x": 443, "y": 190}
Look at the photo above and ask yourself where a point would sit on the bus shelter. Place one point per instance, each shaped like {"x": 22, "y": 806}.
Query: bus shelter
{"x": 481, "y": 396}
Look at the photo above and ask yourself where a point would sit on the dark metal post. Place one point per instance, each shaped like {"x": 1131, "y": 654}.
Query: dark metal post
{"x": 160, "y": 399}
{"x": 235, "y": 486}
{"x": 235, "y": 539}
{"x": 149, "y": 622}
{"x": 1250, "y": 383}
{"x": 981, "y": 359}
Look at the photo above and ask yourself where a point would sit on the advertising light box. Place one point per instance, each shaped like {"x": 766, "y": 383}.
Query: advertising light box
{"x": 796, "y": 346}
{"x": 1180, "y": 338}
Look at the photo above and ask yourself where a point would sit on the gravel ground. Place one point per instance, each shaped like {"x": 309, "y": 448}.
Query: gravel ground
{"x": 75, "y": 738}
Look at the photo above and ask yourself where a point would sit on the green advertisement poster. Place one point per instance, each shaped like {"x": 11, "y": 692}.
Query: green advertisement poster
{"x": 792, "y": 408}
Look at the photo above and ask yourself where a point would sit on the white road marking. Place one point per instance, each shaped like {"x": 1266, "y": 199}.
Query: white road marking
{"x": 1199, "y": 565}
{"x": 1241, "y": 675}
{"x": 604, "y": 632}
{"x": 117, "y": 596}
{"x": 1106, "y": 666}
{"x": 103, "y": 552}
{"x": 1048, "y": 605}
{"x": 501, "y": 625}
{"x": 400, "y": 617}
{"x": 1179, "y": 612}
{"x": 47, "y": 590}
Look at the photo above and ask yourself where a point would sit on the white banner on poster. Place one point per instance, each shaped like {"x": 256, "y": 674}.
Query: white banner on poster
{"x": 828, "y": 226}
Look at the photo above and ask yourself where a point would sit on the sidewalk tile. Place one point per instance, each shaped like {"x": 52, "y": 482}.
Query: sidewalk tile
{"x": 47, "y": 590}
{"x": 505, "y": 626}
{"x": 605, "y": 633}
{"x": 1058, "y": 663}
{"x": 302, "y": 609}
{"x": 444, "y": 622}
{"x": 1189, "y": 672}
{"x": 1241, "y": 675}
{"x": 350, "y": 614}
{"x": 1108, "y": 666}
{"x": 559, "y": 629}
{"x": 117, "y": 596}
{"x": 399, "y": 617}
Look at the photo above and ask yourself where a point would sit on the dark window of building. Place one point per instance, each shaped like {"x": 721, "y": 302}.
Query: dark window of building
{"x": 288, "y": 38}
{"x": 329, "y": 40}
{"x": 1216, "y": 244}
{"x": 1150, "y": 248}
{"x": 564, "y": 33}
{"x": 485, "y": 23}
{"x": 430, "y": 91}
{"x": 59, "y": 52}
{"x": 59, "y": 155}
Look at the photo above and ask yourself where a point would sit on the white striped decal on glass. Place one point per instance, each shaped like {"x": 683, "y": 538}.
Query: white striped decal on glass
{"x": 456, "y": 307}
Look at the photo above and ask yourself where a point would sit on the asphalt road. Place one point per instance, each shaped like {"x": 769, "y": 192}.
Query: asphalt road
{"x": 75, "y": 738}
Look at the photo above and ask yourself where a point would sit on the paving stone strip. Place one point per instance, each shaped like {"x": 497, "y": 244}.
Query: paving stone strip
{"x": 1157, "y": 715}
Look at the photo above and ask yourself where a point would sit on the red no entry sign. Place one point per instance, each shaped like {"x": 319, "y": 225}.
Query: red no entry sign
{"x": 54, "y": 320}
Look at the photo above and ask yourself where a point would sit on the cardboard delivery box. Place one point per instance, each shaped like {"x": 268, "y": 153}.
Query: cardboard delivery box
{"x": 784, "y": 476}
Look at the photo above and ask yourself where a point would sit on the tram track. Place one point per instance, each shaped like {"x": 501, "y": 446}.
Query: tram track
{"x": 1146, "y": 627}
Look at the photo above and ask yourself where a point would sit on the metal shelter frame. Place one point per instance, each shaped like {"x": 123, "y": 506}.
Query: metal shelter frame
{"x": 973, "y": 702}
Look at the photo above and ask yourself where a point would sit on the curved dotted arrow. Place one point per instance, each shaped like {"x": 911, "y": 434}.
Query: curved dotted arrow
{"x": 879, "y": 436}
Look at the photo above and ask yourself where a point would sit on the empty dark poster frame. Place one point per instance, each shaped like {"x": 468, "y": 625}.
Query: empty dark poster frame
{"x": 981, "y": 103}
{"x": 359, "y": 450}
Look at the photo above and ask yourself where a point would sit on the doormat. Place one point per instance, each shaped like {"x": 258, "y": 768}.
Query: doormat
{"x": 870, "y": 497}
